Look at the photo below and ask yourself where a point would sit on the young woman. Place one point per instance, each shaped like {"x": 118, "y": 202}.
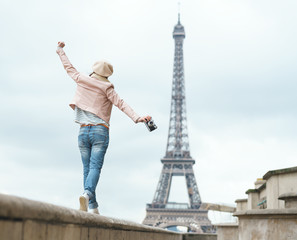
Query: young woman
{"x": 92, "y": 104}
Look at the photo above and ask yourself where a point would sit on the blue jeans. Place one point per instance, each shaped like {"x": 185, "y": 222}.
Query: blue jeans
{"x": 93, "y": 142}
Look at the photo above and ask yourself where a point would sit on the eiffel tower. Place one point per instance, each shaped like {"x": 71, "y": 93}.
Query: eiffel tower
{"x": 178, "y": 161}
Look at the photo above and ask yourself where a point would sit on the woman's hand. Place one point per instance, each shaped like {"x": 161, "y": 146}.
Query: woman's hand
{"x": 144, "y": 119}
{"x": 61, "y": 44}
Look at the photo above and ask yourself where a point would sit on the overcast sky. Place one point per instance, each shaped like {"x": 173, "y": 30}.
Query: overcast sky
{"x": 240, "y": 73}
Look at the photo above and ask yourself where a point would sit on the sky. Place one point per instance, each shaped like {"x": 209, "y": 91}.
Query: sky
{"x": 240, "y": 76}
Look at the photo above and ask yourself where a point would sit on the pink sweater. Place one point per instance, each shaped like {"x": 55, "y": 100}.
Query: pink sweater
{"x": 94, "y": 95}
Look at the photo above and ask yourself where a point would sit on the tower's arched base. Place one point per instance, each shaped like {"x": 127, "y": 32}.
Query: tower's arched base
{"x": 196, "y": 220}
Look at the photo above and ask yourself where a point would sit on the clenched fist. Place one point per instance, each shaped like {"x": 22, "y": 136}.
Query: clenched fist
{"x": 61, "y": 44}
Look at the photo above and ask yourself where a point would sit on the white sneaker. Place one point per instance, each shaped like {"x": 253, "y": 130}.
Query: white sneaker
{"x": 95, "y": 211}
{"x": 84, "y": 202}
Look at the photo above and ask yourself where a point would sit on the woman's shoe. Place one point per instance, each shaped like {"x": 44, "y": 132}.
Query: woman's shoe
{"x": 84, "y": 202}
{"x": 95, "y": 211}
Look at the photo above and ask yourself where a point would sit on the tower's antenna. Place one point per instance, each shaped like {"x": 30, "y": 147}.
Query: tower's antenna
{"x": 178, "y": 12}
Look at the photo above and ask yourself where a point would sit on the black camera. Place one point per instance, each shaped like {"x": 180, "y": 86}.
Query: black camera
{"x": 151, "y": 126}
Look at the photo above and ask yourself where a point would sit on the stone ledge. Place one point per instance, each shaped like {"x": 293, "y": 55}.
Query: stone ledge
{"x": 16, "y": 208}
{"x": 288, "y": 196}
{"x": 279, "y": 171}
{"x": 263, "y": 186}
{"x": 193, "y": 236}
{"x": 290, "y": 199}
{"x": 23, "y": 219}
{"x": 252, "y": 191}
{"x": 268, "y": 213}
{"x": 226, "y": 225}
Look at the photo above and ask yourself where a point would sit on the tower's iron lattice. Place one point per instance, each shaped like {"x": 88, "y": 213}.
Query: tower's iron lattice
{"x": 177, "y": 160}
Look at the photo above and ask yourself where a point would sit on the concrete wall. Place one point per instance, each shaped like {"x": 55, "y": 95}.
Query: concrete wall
{"x": 23, "y": 219}
{"x": 228, "y": 231}
{"x": 271, "y": 220}
{"x": 262, "y": 194}
{"x": 267, "y": 224}
{"x": 253, "y": 200}
{"x": 241, "y": 205}
{"x": 278, "y": 185}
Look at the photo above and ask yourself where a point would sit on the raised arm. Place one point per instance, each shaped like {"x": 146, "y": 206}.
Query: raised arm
{"x": 71, "y": 71}
{"x": 124, "y": 107}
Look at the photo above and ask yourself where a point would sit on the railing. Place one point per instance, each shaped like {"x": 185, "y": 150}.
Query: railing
{"x": 177, "y": 206}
